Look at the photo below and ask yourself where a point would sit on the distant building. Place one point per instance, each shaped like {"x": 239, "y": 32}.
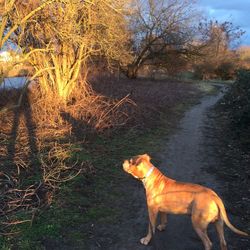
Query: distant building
{"x": 8, "y": 56}
{"x": 5, "y": 56}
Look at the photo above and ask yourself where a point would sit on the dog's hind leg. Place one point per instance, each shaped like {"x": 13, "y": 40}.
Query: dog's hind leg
{"x": 219, "y": 224}
{"x": 163, "y": 224}
{"x": 200, "y": 226}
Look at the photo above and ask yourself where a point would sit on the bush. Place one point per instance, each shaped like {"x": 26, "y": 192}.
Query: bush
{"x": 226, "y": 71}
{"x": 204, "y": 71}
{"x": 237, "y": 101}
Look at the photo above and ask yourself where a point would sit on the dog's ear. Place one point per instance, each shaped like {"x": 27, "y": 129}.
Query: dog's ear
{"x": 136, "y": 160}
{"x": 139, "y": 158}
{"x": 146, "y": 157}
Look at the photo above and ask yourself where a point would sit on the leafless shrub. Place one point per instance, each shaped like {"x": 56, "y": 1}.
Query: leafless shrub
{"x": 100, "y": 113}
{"x": 93, "y": 111}
{"x": 55, "y": 168}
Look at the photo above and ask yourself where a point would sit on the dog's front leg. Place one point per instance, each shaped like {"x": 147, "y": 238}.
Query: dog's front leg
{"x": 151, "y": 227}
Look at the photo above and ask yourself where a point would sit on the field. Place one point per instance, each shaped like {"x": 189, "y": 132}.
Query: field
{"x": 105, "y": 81}
{"x": 34, "y": 157}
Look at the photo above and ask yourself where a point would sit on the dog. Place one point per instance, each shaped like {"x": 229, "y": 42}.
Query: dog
{"x": 167, "y": 196}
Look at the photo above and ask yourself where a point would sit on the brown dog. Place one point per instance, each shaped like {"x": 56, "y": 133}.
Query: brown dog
{"x": 165, "y": 195}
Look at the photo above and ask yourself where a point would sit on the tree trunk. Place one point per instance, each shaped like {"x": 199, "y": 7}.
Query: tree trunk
{"x": 132, "y": 71}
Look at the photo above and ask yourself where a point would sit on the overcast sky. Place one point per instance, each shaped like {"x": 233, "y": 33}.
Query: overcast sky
{"x": 236, "y": 11}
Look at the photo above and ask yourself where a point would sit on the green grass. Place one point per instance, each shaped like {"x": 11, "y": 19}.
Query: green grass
{"x": 206, "y": 87}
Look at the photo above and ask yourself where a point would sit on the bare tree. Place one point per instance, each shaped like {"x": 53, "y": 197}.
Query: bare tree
{"x": 12, "y": 19}
{"x": 218, "y": 37}
{"x": 158, "y": 27}
{"x": 218, "y": 52}
{"x": 7, "y": 8}
{"x": 63, "y": 37}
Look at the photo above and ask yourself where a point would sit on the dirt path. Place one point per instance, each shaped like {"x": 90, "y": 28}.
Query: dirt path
{"x": 185, "y": 158}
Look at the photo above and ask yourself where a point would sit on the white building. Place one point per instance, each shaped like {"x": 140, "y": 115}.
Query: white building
{"x": 7, "y": 56}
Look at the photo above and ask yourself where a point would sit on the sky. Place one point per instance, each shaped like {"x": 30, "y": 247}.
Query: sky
{"x": 235, "y": 11}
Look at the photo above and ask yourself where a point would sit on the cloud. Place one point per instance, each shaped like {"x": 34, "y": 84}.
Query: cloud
{"x": 235, "y": 11}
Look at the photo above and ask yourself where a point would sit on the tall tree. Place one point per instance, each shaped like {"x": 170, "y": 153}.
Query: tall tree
{"x": 158, "y": 27}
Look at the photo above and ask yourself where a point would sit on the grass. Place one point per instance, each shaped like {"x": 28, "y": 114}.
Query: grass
{"x": 85, "y": 199}
{"x": 84, "y": 202}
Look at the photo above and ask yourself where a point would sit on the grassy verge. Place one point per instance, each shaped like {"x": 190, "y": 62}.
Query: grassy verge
{"x": 85, "y": 202}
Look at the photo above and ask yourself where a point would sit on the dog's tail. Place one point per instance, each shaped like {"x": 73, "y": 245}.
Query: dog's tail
{"x": 223, "y": 215}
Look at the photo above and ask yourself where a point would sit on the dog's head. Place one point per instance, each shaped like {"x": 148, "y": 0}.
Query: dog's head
{"x": 138, "y": 166}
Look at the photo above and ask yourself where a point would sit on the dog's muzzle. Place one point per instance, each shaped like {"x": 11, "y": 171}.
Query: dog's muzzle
{"x": 126, "y": 166}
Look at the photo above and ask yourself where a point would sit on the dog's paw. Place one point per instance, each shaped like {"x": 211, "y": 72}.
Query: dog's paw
{"x": 161, "y": 227}
{"x": 145, "y": 240}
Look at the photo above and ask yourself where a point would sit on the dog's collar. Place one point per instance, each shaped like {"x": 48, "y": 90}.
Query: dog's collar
{"x": 148, "y": 173}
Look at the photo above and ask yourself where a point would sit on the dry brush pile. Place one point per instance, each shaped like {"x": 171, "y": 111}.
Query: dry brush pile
{"x": 37, "y": 144}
